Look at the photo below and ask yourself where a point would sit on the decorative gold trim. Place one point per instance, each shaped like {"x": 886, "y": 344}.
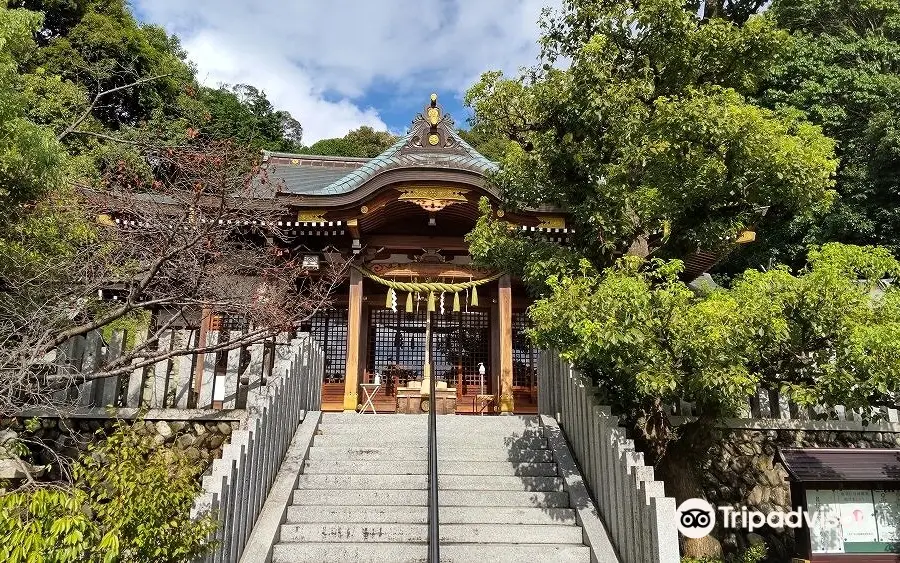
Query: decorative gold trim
{"x": 434, "y": 115}
{"x": 433, "y": 199}
{"x": 364, "y": 209}
{"x": 312, "y": 216}
{"x": 552, "y": 222}
{"x": 745, "y": 237}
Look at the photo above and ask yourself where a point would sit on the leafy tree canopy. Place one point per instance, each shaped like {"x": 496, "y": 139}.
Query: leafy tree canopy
{"x": 843, "y": 74}
{"x": 493, "y": 146}
{"x": 649, "y": 138}
{"x": 364, "y": 142}
{"x": 30, "y": 157}
{"x": 244, "y": 114}
{"x": 130, "y": 501}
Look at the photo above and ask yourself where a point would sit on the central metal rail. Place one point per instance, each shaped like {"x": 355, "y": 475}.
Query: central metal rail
{"x": 433, "y": 526}
{"x": 434, "y": 536}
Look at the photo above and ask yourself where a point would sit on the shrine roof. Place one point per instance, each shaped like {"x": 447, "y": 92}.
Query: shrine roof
{"x": 428, "y": 145}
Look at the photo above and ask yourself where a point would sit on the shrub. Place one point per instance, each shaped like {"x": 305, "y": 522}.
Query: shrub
{"x": 130, "y": 501}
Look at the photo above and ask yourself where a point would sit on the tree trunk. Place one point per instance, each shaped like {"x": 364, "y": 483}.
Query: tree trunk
{"x": 678, "y": 470}
{"x": 711, "y": 9}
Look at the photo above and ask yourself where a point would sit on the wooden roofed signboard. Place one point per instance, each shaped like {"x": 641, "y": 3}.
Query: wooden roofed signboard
{"x": 853, "y": 498}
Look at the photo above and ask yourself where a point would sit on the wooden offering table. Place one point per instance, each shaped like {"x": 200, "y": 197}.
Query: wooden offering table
{"x": 413, "y": 399}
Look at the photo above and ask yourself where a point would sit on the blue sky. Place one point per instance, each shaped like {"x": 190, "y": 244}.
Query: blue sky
{"x": 339, "y": 64}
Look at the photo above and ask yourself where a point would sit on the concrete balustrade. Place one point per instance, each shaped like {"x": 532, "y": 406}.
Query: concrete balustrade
{"x": 236, "y": 489}
{"x": 640, "y": 519}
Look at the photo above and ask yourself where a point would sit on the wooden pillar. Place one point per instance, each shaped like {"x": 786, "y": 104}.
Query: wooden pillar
{"x": 504, "y": 302}
{"x": 354, "y": 327}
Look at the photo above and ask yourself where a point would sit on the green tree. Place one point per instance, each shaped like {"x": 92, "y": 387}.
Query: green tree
{"x": 492, "y": 146}
{"x": 649, "y": 138}
{"x": 649, "y": 341}
{"x": 244, "y": 114}
{"x": 843, "y": 74}
{"x": 364, "y": 142}
{"x": 130, "y": 501}
{"x": 30, "y": 157}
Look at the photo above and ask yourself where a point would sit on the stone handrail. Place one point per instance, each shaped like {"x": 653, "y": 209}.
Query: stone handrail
{"x": 641, "y": 520}
{"x": 236, "y": 489}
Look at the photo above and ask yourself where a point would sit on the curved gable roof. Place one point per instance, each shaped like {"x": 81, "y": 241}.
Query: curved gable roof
{"x": 313, "y": 175}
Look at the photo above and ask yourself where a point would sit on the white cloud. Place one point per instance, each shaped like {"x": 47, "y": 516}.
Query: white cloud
{"x": 318, "y": 58}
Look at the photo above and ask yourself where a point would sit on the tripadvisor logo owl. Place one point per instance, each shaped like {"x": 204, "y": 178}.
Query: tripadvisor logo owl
{"x": 696, "y": 518}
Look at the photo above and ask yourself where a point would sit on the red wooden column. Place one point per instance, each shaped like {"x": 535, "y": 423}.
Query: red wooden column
{"x": 354, "y": 339}
{"x": 504, "y": 302}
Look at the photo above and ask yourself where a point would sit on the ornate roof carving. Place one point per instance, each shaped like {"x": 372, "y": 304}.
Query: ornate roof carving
{"x": 433, "y": 131}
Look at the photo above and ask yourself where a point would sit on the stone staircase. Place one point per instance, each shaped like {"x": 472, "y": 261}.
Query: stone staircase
{"x": 362, "y": 495}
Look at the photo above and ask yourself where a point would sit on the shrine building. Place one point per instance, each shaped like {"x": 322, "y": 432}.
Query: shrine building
{"x": 401, "y": 218}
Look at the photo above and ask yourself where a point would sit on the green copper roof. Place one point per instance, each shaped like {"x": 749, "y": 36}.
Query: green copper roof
{"x": 326, "y": 176}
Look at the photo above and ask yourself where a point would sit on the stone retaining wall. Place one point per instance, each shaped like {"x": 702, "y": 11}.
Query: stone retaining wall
{"x": 201, "y": 440}
{"x": 741, "y": 471}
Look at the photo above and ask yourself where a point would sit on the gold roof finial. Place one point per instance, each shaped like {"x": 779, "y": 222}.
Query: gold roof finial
{"x": 433, "y": 99}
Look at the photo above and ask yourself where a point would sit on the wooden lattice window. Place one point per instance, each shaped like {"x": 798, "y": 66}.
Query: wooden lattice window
{"x": 329, "y": 330}
{"x": 459, "y": 341}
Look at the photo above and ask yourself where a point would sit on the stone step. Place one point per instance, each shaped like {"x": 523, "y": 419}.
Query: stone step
{"x": 352, "y": 467}
{"x": 420, "y": 482}
{"x": 412, "y": 497}
{"x": 506, "y": 515}
{"x": 473, "y": 468}
{"x": 400, "y": 454}
{"x": 356, "y": 418}
{"x": 350, "y": 514}
{"x": 418, "y": 553}
{"x": 444, "y": 432}
{"x": 363, "y": 498}
{"x": 500, "y": 483}
{"x": 364, "y": 453}
{"x": 505, "y": 553}
{"x": 378, "y": 482}
{"x": 455, "y": 441}
{"x": 357, "y": 552}
{"x": 419, "y": 515}
{"x": 418, "y": 533}
{"x": 504, "y": 498}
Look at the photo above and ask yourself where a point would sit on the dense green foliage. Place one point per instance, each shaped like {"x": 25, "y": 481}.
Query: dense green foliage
{"x": 130, "y": 501}
{"x": 753, "y": 554}
{"x": 493, "y": 146}
{"x": 243, "y": 114}
{"x": 817, "y": 334}
{"x": 60, "y": 124}
{"x": 843, "y": 74}
{"x": 649, "y": 138}
{"x": 364, "y": 142}
{"x": 30, "y": 158}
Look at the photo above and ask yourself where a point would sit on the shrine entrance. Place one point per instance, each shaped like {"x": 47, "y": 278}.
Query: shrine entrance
{"x": 460, "y": 341}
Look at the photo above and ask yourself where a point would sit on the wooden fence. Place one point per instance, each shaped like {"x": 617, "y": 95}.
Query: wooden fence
{"x": 641, "y": 520}
{"x": 236, "y": 489}
{"x": 220, "y": 380}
